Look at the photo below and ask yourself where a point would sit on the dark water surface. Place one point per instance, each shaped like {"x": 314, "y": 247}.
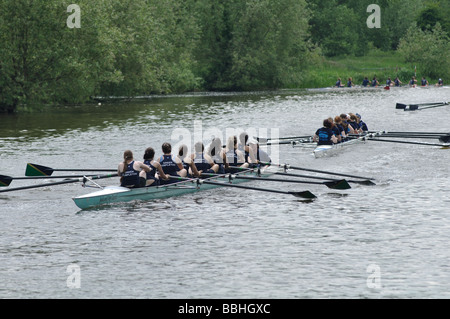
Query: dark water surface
{"x": 386, "y": 241}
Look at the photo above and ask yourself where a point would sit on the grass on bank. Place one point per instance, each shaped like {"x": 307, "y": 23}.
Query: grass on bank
{"x": 378, "y": 63}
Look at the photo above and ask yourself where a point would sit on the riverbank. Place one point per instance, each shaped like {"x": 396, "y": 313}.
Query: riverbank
{"x": 324, "y": 74}
{"x": 378, "y": 63}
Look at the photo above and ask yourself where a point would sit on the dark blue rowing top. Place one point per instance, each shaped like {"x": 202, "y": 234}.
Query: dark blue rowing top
{"x": 168, "y": 165}
{"x": 201, "y": 163}
{"x": 365, "y": 82}
{"x": 324, "y": 135}
{"x": 151, "y": 174}
{"x": 130, "y": 178}
{"x": 232, "y": 158}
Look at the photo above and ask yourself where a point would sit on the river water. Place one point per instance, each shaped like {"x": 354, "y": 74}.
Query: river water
{"x": 385, "y": 241}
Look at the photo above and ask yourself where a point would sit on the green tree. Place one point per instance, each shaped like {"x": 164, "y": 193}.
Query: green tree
{"x": 430, "y": 50}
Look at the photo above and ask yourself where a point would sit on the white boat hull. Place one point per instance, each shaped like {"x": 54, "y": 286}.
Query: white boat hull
{"x": 330, "y": 150}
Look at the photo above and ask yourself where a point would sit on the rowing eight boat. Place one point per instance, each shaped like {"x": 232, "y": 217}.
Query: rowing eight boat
{"x": 115, "y": 194}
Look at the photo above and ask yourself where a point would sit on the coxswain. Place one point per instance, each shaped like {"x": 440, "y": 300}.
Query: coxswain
{"x": 153, "y": 179}
{"x": 325, "y": 135}
{"x": 203, "y": 162}
{"x": 132, "y": 173}
{"x": 235, "y": 157}
{"x": 170, "y": 164}
{"x": 440, "y": 83}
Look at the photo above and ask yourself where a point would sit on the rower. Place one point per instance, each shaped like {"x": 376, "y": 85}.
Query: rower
{"x": 345, "y": 125}
{"x": 440, "y": 82}
{"x": 203, "y": 162}
{"x": 375, "y": 82}
{"x": 235, "y": 157}
{"x": 397, "y": 82}
{"x": 132, "y": 173}
{"x": 365, "y": 82}
{"x": 389, "y": 82}
{"x": 338, "y": 83}
{"x": 350, "y": 82}
{"x": 354, "y": 124}
{"x": 424, "y": 81}
{"x": 340, "y": 129}
{"x": 152, "y": 178}
{"x": 261, "y": 155}
{"x": 185, "y": 158}
{"x": 218, "y": 155}
{"x": 171, "y": 165}
{"x": 325, "y": 135}
{"x": 413, "y": 81}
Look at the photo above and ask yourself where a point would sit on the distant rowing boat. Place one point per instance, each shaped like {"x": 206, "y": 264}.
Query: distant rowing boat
{"x": 380, "y": 87}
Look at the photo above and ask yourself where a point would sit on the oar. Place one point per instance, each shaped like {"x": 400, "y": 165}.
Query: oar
{"x": 437, "y": 137}
{"x": 303, "y": 194}
{"x": 363, "y": 182}
{"x": 6, "y": 180}
{"x": 39, "y": 170}
{"x": 337, "y": 184}
{"x": 67, "y": 181}
{"x": 407, "y": 142}
{"x": 416, "y": 107}
{"x": 402, "y": 106}
{"x": 419, "y": 133}
{"x": 287, "y": 166}
{"x": 264, "y": 139}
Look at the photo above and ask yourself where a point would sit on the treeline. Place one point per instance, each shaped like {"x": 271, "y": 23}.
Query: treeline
{"x": 142, "y": 47}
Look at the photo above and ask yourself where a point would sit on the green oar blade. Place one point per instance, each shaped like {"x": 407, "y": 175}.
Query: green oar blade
{"x": 38, "y": 170}
{"x": 5, "y": 180}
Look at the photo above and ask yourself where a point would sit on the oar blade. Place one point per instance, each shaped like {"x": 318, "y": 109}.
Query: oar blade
{"x": 444, "y": 139}
{"x": 341, "y": 184}
{"x": 412, "y": 107}
{"x": 38, "y": 170}
{"x": 303, "y": 194}
{"x": 400, "y": 106}
{"x": 5, "y": 180}
{"x": 366, "y": 182}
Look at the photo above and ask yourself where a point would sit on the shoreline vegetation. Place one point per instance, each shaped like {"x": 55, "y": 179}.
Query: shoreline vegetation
{"x": 60, "y": 53}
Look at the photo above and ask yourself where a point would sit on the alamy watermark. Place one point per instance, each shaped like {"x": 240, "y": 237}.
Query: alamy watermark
{"x": 74, "y": 20}
{"x": 374, "y": 279}
{"x": 374, "y": 20}
{"x": 74, "y": 278}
